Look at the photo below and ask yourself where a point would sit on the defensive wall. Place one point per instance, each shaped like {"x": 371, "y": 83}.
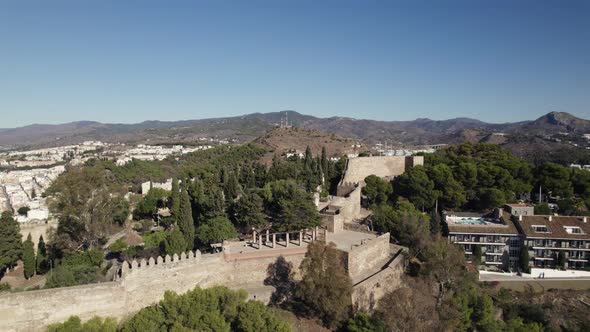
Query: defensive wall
{"x": 358, "y": 169}
{"x": 367, "y": 255}
{"x": 140, "y": 284}
{"x": 375, "y": 266}
{"x": 343, "y": 209}
{"x": 36, "y": 229}
{"x": 368, "y": 290}
{"x": 144, "y": 282}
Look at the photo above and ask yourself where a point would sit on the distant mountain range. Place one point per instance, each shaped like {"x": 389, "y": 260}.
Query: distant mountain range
{"x": 248, "y": 127}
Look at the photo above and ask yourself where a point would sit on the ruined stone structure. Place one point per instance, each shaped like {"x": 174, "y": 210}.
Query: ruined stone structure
{"x": 386, "y": 167}
{"x": 375, "y": 266}
{"x": 345, "y": 207}
{"x": 239, "y": 266}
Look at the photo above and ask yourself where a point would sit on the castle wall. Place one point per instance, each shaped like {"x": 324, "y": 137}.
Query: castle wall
{"x": 32, "y": 311}
{"x": 350, "y": 206}
{"x": 141, "y": 284}
{"x": 368, "y": 256}
{"x": 367, "y": 293}
{"x": 36, "y": 229}
{"x": 382, "y": 166}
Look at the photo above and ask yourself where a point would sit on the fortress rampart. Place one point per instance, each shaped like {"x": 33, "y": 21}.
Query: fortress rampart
{"x": 143, "y": 282}
{"x": 375, "y": 266}
{"x": 357, "y": 169}
{"x": 140, "y": 284}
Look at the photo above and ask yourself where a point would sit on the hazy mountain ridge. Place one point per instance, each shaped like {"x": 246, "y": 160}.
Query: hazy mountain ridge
{"x": 248, "y": 127}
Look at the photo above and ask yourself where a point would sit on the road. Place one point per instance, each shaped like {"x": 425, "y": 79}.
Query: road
{"x": 520, "y": 284}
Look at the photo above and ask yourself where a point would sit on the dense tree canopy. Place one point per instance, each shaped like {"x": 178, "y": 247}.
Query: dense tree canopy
{"x": 155, "y": 199}
{"x": 76, "y": 269}
{"x": 406, "y": 224}
{"x": 211, "y": 309}
{"x": 90, "y": 206}
{"x": 216, "y": 230}
{"x": 377, "y": 190}
{"x": 289, "y": 206}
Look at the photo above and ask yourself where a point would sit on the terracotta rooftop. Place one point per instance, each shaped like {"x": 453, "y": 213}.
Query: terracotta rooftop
{"x": 556, "y": 228}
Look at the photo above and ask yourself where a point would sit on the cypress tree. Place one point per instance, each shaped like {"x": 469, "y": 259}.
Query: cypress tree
{"x": 325, "y": 164}
{"x": 41, "y": 256}
{"x": 524, "y": 259}
{"x": 561, "y": 260}
{"x": 175, "y": 197}
{"x": 11, "y": 245}
{"x": 435, "y": 223}
{"x": 477, "y": 254}
{"x": 29, "y": 257}
{"x": 185, "y": 220}
{"x": 232, "y": 187}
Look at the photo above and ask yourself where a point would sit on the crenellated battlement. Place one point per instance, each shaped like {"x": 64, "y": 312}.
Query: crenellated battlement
{"x": 188, "y": 257}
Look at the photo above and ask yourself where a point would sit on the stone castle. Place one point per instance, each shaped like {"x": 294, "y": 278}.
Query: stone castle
{"x": 374, "y": 265}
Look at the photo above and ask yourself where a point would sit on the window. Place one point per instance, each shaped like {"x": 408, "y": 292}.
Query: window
{"x": 573, "y": 230}
{"x": 541, "y": 229}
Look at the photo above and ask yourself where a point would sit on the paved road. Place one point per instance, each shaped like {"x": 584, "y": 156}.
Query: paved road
{"x": 545, "y": 284}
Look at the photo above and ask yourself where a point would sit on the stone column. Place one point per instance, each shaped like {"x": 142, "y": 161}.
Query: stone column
{"x": 300, "y": 237}
{"x": 274, "y": 240}
{"x": 267, "y": 236}
{"x": 313, "y": 234}
{"x": 253, "y": 237}
{"x": 260, "y": 241}
{"x": 287, "y": 243}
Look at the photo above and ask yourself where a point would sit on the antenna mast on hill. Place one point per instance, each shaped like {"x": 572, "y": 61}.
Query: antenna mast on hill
{"x": 285, "y": 124}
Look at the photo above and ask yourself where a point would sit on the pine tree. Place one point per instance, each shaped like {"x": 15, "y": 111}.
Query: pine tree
{"x": 185, "y": 220}
{"x": 175, "y": 197}
{"x": 325, "y": 286}
{"x": 11, "y": 245}
{"x": 41, "y": 256}
{"x": 29, "y": 257}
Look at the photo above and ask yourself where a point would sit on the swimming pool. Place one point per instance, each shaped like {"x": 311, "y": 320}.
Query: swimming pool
{"x": 470, "y": 221}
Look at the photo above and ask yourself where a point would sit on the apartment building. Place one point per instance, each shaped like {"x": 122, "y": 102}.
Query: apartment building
{"x": 547, "y": 236}
{"x": 494, "y": 233}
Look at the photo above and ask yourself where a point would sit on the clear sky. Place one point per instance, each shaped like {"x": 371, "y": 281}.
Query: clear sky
{"x": 129, "y": 61}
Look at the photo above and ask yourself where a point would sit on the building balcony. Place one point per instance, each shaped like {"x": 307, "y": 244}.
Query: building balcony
{"x": 482, "y": 243}
{"x": 561, "y": 248}
{"x": 577, "y": 260}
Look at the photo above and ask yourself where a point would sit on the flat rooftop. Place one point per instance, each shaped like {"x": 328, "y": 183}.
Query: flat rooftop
{"x": 345, "y": 239}
{"x": 469, "y": 222}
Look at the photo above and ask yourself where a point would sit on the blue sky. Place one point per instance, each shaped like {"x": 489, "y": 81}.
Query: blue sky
{"x": 129, "y": 61}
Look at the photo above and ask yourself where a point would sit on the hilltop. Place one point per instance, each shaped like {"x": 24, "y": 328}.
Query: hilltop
{"x": 282, "y": 140}
{"x": 545, "y": 134}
